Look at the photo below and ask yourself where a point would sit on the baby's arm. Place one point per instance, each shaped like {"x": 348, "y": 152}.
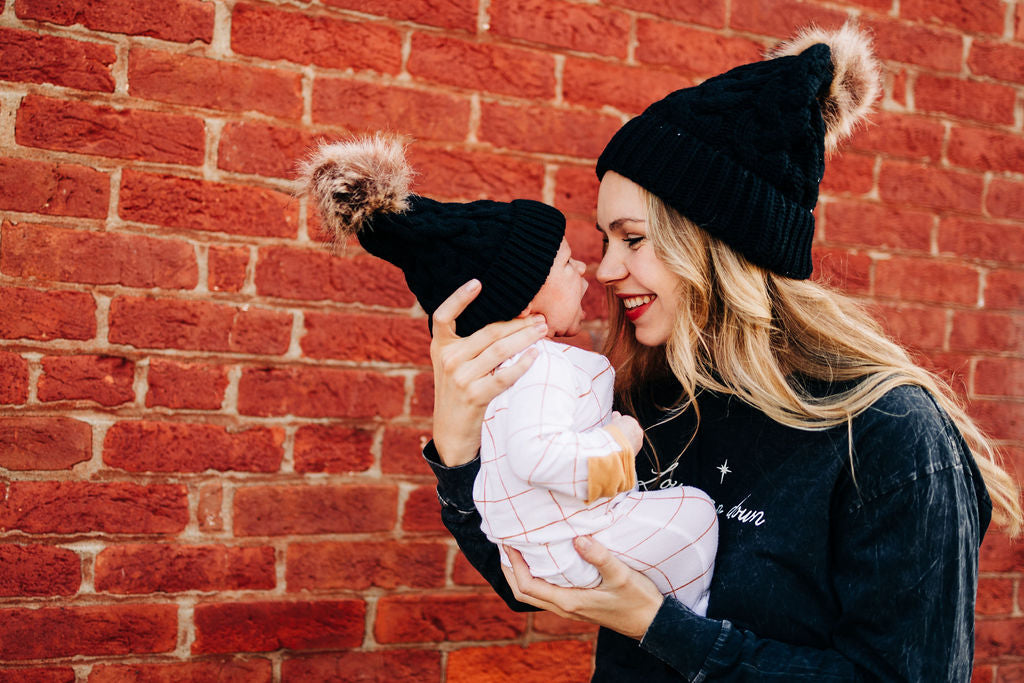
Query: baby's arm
{"x": 546, "y": 449}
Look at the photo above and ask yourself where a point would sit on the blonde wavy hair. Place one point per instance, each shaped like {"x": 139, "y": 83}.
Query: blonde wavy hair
{"x": 745, "y": 331}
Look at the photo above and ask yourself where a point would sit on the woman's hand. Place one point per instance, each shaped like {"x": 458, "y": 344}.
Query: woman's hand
{"x": 626, "y": 601}
{"x": 465, "y": 380}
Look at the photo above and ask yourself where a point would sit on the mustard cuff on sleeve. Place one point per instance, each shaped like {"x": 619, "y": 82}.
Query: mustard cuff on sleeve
{"x": 614, "y": 473}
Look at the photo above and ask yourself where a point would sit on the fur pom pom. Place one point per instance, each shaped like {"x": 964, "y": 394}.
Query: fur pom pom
{"x": 352, "y": 181}
{"x": 855, "y": 80}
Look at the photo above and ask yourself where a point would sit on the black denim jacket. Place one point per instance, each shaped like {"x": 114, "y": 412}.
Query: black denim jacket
{"x": 820, "y": 575}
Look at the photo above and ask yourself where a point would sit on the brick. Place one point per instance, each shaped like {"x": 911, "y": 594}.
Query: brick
{"x": 319, "y": 392}
{"x": 629, "y": 89}
{"x": 422, "y": 403}
{"x": 362, "y": 106}
{"x": 427, "y": 618}
{"x": 692, "y": 51}
{"x": 482, "y": 66}
{"x": 778, "y": 17}
{"x": 985, "y": 149}
{"x": 268, "y": 626}
{"x": 1009, "y": 673}
{"x": 546, "y": 129}
{"x": 999, "y": 554}
{"x": 874, "y": 225}
{"x": 288, "y": 510}
{"x": 972, "y": 16}
{"x": 331, "y": 448}
{"x": 145, "y": 322}
{"x": 53, "y": 507}
{"x": 354, "y": 337}
{"x": 148, "y": 446}
{"x": 998, "y": 60}
{"x": 107, "y": 380}
{"x": 584, "y": 28}
{"x": 315, "y": 275}
{"x": 263, "y": 31}
{"x": 706, "y": 12}
{"x": 210, "y": 83}
{"x": 226, "y": 268}
{"x": 1018, "y": 22}
{"x": 914, "y": 326}
{"x": 198, "y": 386}
{"x": 225, "y": 671}
{"x": 210, "y": 506}
{"x": 361, "y": 565}
{"x": 181, "y": 21}
{"x": 584, "y": 240}
{"x": 552, "y": 661}
{"x": 981, "y": 239}
{"x": 999, "y": 377}
{"x": 69, "y": 126}
{"x": 1005, "y": 199}
{"x": 457, "y": 175}
{"x": 37, "y": 675}
{"x": 897, "y": 83}
{"x": 576, "y": 190}
{"x": 422, "y": 511}
{"x": 900, "y": 135}
{"x": 53, "y": 189}
{"x": 394, "y": 666}
{"x": 464, "y": 574}
{"x": 925, "y": 279}
{"x": 932, "y": 188}
{"x": 998, "y": 638}
{"x": 402, "y": 450}
{"x": 552, "y": 624}
{"x": 263, "y": 149}
{"x": 985, "y": 102}
{"x": 50, "y": 632}
{"x": 1004, "y": 289}
{"x": 44, "y": 443}
{"x": 13, "y": 378}
{"x": 457, "y": 14}
{"x": 921, "y": 45}
{"x": 999, "y": 419}
{"x": 97, "y": 258}
{"x": 595, "y": 300}
{"x": 849, "y": 173}
{"x": 847, "y": 270}
{"x": 953, "y": 368}
{"x": 984, "y": 331}
{"x": 44, "y": 315}
{"x": 195, "y": 204}
{"x": 162, "y": 568}
{"x": 30, "y": 570}
{"x": 28, "y": 57}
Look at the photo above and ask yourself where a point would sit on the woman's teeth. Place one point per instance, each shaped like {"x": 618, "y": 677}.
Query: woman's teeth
{"x": 634, "y": 301}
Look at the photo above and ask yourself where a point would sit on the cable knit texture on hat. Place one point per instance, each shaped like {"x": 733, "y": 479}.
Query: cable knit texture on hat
{"x": 742, "y": 154}
{"x": 361, "y": 188}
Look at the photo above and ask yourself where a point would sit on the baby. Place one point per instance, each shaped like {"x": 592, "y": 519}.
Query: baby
{"x": 556, "y": 462}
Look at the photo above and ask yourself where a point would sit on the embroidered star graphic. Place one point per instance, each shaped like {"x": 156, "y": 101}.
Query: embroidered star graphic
{"x": 724, "y": 469}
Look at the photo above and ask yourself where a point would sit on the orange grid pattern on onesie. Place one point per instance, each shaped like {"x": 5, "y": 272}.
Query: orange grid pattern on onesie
{"x": 544, "y": 443}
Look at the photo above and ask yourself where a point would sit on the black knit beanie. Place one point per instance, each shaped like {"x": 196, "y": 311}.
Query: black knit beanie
{"x": 742, "y": 154}
{"x": 361, "y": 187}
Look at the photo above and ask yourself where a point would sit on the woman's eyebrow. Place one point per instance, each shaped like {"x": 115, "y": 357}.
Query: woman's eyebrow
{"x": 617, "y": 223}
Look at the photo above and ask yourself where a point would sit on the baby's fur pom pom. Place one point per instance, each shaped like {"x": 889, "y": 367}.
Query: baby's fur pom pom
{"x": 855, "y": 81}
{"x": 352, "y": 181}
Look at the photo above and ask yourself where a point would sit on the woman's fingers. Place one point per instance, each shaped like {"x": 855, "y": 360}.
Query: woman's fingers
{"x": 525, "y": 586}
{"x": 452, "y": 307}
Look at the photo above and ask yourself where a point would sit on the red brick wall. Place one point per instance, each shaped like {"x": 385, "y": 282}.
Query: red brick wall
{"x": 209, "y": 443}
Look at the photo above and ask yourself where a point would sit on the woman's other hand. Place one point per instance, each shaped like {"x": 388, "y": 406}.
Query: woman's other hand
{"x": 626, "y": 601}
{"x": 465, "y": 379}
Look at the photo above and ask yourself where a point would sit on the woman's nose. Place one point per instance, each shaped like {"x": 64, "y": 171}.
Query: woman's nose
{"x": 609, "y": 269}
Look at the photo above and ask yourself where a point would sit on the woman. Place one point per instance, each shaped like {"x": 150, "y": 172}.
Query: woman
{"x": 852, "y": 490}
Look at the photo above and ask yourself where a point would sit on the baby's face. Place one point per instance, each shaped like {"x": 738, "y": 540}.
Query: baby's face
{"x": 560, "y": 299}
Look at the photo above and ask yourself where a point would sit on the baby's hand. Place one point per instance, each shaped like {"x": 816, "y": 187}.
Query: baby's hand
{"x": 630, "y": 428}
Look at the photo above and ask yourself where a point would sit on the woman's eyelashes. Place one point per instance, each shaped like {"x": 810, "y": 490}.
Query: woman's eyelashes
{"x": 634, "y": 241}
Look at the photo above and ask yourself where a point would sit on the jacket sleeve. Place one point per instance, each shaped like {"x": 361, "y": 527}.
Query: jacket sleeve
{"x": 905, "y": 546}
{"x": 460, "y": 517}
{"x": 545, "y": 447}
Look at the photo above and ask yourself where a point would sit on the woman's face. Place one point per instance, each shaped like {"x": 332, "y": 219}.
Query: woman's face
{"x": 645, "y": 287}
